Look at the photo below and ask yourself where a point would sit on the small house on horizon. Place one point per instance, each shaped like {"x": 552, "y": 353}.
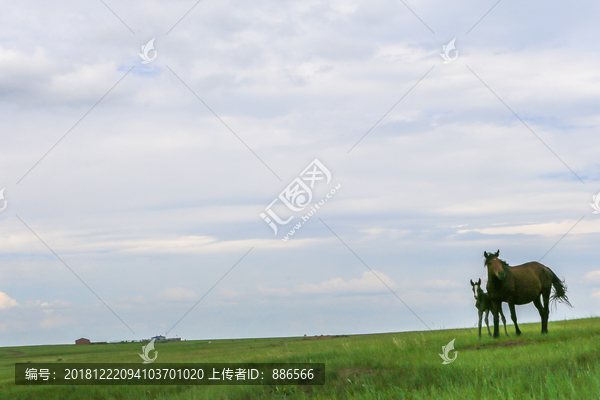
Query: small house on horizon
{"x": 83, "y": 341}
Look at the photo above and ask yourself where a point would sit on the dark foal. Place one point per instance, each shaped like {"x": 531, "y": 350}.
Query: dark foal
{"x": 484, "y": 305}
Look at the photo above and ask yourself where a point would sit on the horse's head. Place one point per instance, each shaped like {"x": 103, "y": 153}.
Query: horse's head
{"x": 494, "y": 265}
{"x": 476, "y": 288}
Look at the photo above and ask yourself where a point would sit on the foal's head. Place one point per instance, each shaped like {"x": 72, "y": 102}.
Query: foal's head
{"x": 495, "y": 265}
{"x": 477, "y": 291}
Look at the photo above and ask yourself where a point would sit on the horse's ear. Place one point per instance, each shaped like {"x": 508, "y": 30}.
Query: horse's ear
{"x": 497, "y": 253}
{"x": 472, "y": 284}
{"x": 485, "y": 254}
{"x": 479, "y": 282}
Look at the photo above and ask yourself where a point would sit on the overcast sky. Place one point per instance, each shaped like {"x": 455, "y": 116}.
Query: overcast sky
{"x": 132, "y": 189}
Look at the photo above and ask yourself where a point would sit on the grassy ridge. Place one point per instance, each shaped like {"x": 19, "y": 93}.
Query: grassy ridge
{"x": 562, "y": 365}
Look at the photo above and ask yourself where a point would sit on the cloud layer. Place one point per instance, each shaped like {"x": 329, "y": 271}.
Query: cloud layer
{"x": 146, "y": 181}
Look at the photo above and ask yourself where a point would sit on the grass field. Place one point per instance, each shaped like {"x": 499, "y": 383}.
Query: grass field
{"x": 562, "y": 365}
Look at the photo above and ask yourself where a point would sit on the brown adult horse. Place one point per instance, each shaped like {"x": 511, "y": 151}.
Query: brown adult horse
{"x": 522, "y": 285}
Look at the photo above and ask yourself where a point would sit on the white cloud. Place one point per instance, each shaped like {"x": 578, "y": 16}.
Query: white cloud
{"x": 139, "y": 243}
{"x": 542, "y": 229}
{"x": 592, "y": 277}
{"x": 54, "y": 304}
{"x": 367, "y": 284}
{"x": 228, "y": 291}
{"x": 427, "y": 291}
{"x": 177, "y": 294}
{"x": 83, "y": 82}
{"x": 276, "y": 292}
{"x": 375, "y": 233}
{"x": 53, "y": 320}
{"x": 440, "y": 284}
{"x": 6, "y": 301}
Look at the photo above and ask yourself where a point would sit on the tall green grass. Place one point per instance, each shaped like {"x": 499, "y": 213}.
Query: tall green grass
{"x": 564, "y": 364}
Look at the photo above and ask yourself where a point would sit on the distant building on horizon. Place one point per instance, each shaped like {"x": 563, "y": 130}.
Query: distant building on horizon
{"x": 161, "y": 338}
{"x": 158, "y": 339}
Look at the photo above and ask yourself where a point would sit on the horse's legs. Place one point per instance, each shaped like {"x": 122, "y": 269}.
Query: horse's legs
{"x": 513, "y": 316}
{"x": 487, "y": 321}
{"x": 503, "y": 319}
{"x": 538, "y": 304}
{"x": 546, "y": 308}
{"x": 480, "y": 315}
{"x": 495, "y": 306}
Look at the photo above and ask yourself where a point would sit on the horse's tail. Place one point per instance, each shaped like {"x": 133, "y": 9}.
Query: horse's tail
{"x": 560, "y": 291}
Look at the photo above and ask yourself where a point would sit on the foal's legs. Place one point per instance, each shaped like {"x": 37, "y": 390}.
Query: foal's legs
{"x": 503, "y": 319}
{"x": 480, "y": 315}
{"x": 513, "y": 316}
{"x": 487, "y": 323}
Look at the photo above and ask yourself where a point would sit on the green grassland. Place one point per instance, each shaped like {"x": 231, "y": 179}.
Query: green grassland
{"x": 565, "y": 364}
